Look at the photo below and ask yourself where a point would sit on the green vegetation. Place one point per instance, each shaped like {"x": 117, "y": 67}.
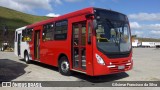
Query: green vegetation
{"x": 14, "y": 19}
{"x": 145, "y": 39}
{"x": 148, "y": 39}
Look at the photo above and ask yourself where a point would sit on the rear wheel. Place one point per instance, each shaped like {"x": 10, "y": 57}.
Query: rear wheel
{"x": 26, "y": 58}
{"x": 64, "y": 67}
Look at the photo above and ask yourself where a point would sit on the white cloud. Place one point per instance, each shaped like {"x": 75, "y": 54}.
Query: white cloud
{"x": 154, "y": 26}
{"x": 145, "y": 16}
{"x": 61, "y": 1}
{"x": 138, "y": 32}
{"x": 73, "y": 0}
{"x": 145, "y": 30}
{"x": 151, "y": 27}
{"x": 32, "y": 5}
{"x": 53, "y": 15}
{"x": 26, "y": 5}
{"x": 137, "y": 26}
{"x": 147, "y": 33}
{"x": 58, "y": 1}
{"x": 155, "y": 32}
{"x": 134, "y": 25}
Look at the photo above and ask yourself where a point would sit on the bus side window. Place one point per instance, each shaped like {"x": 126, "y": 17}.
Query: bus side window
{"x": 61, "y": 28}
{"x": 48, "y": 31}
{"x": 76, "y": 34}
{"x": 27, "y": 35}
{"x": 23, "y": 35}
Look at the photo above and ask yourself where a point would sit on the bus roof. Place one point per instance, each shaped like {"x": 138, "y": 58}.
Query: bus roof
{"x": 72, "y": 14}
{"x": 21, "y": 28}
{"x": 108, "y": 10}
{"x": 69, "y": 15}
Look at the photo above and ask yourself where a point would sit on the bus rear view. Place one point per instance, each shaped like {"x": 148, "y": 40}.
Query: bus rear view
{"x": 112, "y": 42}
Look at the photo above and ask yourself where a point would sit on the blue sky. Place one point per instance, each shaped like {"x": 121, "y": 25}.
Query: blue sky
{"x": 144, "y": 15}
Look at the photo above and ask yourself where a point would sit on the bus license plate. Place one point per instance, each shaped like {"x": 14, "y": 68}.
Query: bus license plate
{"x": 121, "y": 67}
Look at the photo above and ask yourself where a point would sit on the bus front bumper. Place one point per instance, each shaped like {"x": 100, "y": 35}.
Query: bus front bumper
{"x": 114, "y": 67}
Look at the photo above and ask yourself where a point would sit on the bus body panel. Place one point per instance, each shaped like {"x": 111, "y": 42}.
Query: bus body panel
{"x": 89, "y": 60}
{"x": 24, "y": 46}
{"x": 127, "y": 62}
{"x": 89, "y": 51}
{"x": 50, "y": 51}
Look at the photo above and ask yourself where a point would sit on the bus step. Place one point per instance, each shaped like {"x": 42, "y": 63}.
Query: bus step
{"x": 83, "y": 57}
{"x": 83, "y": 60}
{"x": 77, "y": 60}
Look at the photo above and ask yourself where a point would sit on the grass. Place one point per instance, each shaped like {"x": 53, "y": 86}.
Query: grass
{"x": 15, "y": 19}
{"x": 148, "y": 39}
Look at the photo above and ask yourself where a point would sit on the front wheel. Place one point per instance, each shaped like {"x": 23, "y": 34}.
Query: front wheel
{"x": 64, "y": 67}
{"x": 26, "y": 58}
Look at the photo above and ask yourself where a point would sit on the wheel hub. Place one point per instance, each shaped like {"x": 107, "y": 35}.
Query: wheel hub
{"x": 64, "y": 66}
{"x": 26, "y": 58}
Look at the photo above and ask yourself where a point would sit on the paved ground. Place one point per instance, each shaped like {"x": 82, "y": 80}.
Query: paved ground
{"x": 146, "y": 68}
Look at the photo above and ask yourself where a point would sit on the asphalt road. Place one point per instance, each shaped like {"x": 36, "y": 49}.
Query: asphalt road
{"x": 146, "y": 68}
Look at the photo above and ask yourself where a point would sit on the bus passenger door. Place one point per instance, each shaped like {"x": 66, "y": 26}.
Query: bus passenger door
{"x": 79, "y": 46}
{"x": 37, "y": 45}
{"x": 19, "y": 44}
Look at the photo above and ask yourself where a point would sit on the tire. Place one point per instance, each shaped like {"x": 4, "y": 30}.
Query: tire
{"x": 26, "y": 58}
{"x": 64, "y": 67}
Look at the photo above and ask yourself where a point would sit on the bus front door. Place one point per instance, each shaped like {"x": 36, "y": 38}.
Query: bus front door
{"x": 79, "y": 46}
{"x": 19, "y": 44}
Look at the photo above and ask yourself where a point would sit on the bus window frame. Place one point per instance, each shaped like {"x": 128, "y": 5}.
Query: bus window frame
{"x": 46, "y": 32}
{"x": 58, "y": 39}
{"x": 25, "y": 34}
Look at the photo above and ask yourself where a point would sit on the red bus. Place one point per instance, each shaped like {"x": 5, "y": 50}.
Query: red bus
{"x": 93, "y": 41}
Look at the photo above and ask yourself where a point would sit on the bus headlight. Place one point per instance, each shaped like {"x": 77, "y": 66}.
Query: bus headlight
{"x": 99, "y": 59}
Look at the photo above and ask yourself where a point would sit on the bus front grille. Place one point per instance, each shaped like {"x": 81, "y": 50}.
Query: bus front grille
{"x": 124, "y": 63}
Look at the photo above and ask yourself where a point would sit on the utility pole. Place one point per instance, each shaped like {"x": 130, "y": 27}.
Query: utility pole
{"x": 5, "y": 43}
{"x": 5, "y": 33}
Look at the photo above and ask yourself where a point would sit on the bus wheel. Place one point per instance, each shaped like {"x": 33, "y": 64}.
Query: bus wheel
{"x": 26, "y": 58}
{"x": 64, "y": 68}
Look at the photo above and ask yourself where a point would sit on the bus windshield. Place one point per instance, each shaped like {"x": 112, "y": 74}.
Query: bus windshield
{"x": 113, "y": 32}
